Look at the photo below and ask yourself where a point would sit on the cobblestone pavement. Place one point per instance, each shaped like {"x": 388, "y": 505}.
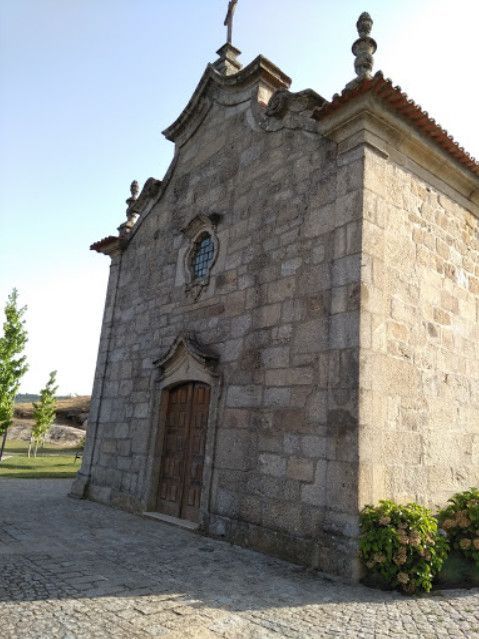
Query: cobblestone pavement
{"x": 73, "y": 569}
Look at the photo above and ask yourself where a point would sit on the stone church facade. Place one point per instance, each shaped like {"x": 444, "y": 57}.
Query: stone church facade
{"x": 291, "y": 324}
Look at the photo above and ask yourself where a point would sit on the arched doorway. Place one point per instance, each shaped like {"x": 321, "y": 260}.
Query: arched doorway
{"x": 183, "y": 450}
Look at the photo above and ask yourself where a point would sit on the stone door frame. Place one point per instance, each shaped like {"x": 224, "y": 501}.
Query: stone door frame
{"x": 186, "y": 361}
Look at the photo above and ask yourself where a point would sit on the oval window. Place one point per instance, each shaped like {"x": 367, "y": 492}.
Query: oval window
{"x": 202, "y": 256}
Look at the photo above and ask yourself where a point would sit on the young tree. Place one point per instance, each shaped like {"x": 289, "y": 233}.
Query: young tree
{"x": 44, "y": 413}
{"x": 12, "y": 362}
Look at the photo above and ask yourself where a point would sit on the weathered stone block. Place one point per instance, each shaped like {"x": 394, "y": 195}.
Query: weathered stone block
{"x": 236, "y": 418}
{"x": 277, "y": 397}
{"x": 344, "y": 330}
{"x": 289, "y": 267}
{"x": 282, "y": 516}
{"x": 301, "y": 469}
{"x": 270, "y": 443}
{"x": 311, "y": 336}
{"x": 281, "y": 290}
{"x": 272, "y": 465}
{"x": 267, "y": 315}
{"x": 142, "y": 409}
{"x": 226, "y": 503}
{"x": 289, "y": 376}
{"x": 315, "y": 494}
{"x": 240, "y": 325}
{"x": 346, "y": 270}
{"x": 341, "y": 482}
{"x": 244, "y": 396}
{"x": 233, "y": 449}
{"x": 314, "y": 446}
{"x": 251, "y": 509}
{"x": 275, "y": 357}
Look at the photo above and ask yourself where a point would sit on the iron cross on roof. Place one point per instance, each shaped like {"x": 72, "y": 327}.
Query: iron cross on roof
{"x": 229, "y": 20}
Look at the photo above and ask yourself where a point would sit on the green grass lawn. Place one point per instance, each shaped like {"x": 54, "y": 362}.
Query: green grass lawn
{"x": 51, "y": 461}
{"x": 20, "y": 447}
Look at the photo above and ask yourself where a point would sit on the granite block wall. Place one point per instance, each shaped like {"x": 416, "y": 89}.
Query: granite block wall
{"x": 419, "y": 379}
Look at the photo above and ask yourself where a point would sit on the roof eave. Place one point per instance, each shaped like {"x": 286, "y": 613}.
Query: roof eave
{"x": 397, "y": 102}
{"x": 366, "y": 119}
{"x": 107, "y": 246}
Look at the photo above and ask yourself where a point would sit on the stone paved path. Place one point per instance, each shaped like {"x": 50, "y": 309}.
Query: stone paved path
{"x": 71, "y": 569}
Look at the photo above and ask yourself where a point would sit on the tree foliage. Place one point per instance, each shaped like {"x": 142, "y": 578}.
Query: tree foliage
{"x": 44, "y": 412}
{"x": 12, "y": 361}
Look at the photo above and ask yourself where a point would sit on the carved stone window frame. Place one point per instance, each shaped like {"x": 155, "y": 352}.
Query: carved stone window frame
{"x": 199, "y": 226}
{"x": 185, "y": 361}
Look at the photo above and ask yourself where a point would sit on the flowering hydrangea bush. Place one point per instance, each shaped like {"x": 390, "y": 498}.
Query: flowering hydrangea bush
{"x": 460, "y": 521}
{"x": 402, "y": 544}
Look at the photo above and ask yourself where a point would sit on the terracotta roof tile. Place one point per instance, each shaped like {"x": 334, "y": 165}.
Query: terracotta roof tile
{"x": 398, "y": 101}
{"x": 98, "y": 246}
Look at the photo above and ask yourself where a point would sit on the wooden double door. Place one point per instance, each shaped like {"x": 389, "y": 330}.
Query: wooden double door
{"x": 183, "y": 451}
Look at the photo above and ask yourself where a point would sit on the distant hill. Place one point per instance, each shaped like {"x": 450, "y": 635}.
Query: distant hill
{"x": 71, "y": 411}
{"x": 23, "y": 398}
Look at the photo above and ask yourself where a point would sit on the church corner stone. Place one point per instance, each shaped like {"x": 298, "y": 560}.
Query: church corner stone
{"x": 291, "y": 325}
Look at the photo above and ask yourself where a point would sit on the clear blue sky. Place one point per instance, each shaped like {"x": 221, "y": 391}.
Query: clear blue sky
{"x": 88, "y": 86}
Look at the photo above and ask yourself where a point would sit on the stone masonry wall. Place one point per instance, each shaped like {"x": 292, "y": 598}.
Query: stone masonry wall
{"x": 281, "y": 311}
{"x": 419, "y": 398}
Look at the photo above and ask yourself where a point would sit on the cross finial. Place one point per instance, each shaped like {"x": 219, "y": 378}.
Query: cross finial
{"x": 229, "y": 20}
{"x": 364, "y": 47}
{"x": 227, "y": 63}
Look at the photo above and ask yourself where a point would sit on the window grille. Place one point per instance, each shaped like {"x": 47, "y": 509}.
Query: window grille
{"x": 203, "y": 254}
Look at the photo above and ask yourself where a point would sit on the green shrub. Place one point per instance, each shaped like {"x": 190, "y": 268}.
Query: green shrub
{"x": 460, "y": 521}
{"x": 402, "y": 544}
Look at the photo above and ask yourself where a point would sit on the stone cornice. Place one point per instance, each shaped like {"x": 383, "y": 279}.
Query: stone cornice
{"x": 107, "y": 246}
{"x": 367, "y": 120}
{"x": 397, "y": 103}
